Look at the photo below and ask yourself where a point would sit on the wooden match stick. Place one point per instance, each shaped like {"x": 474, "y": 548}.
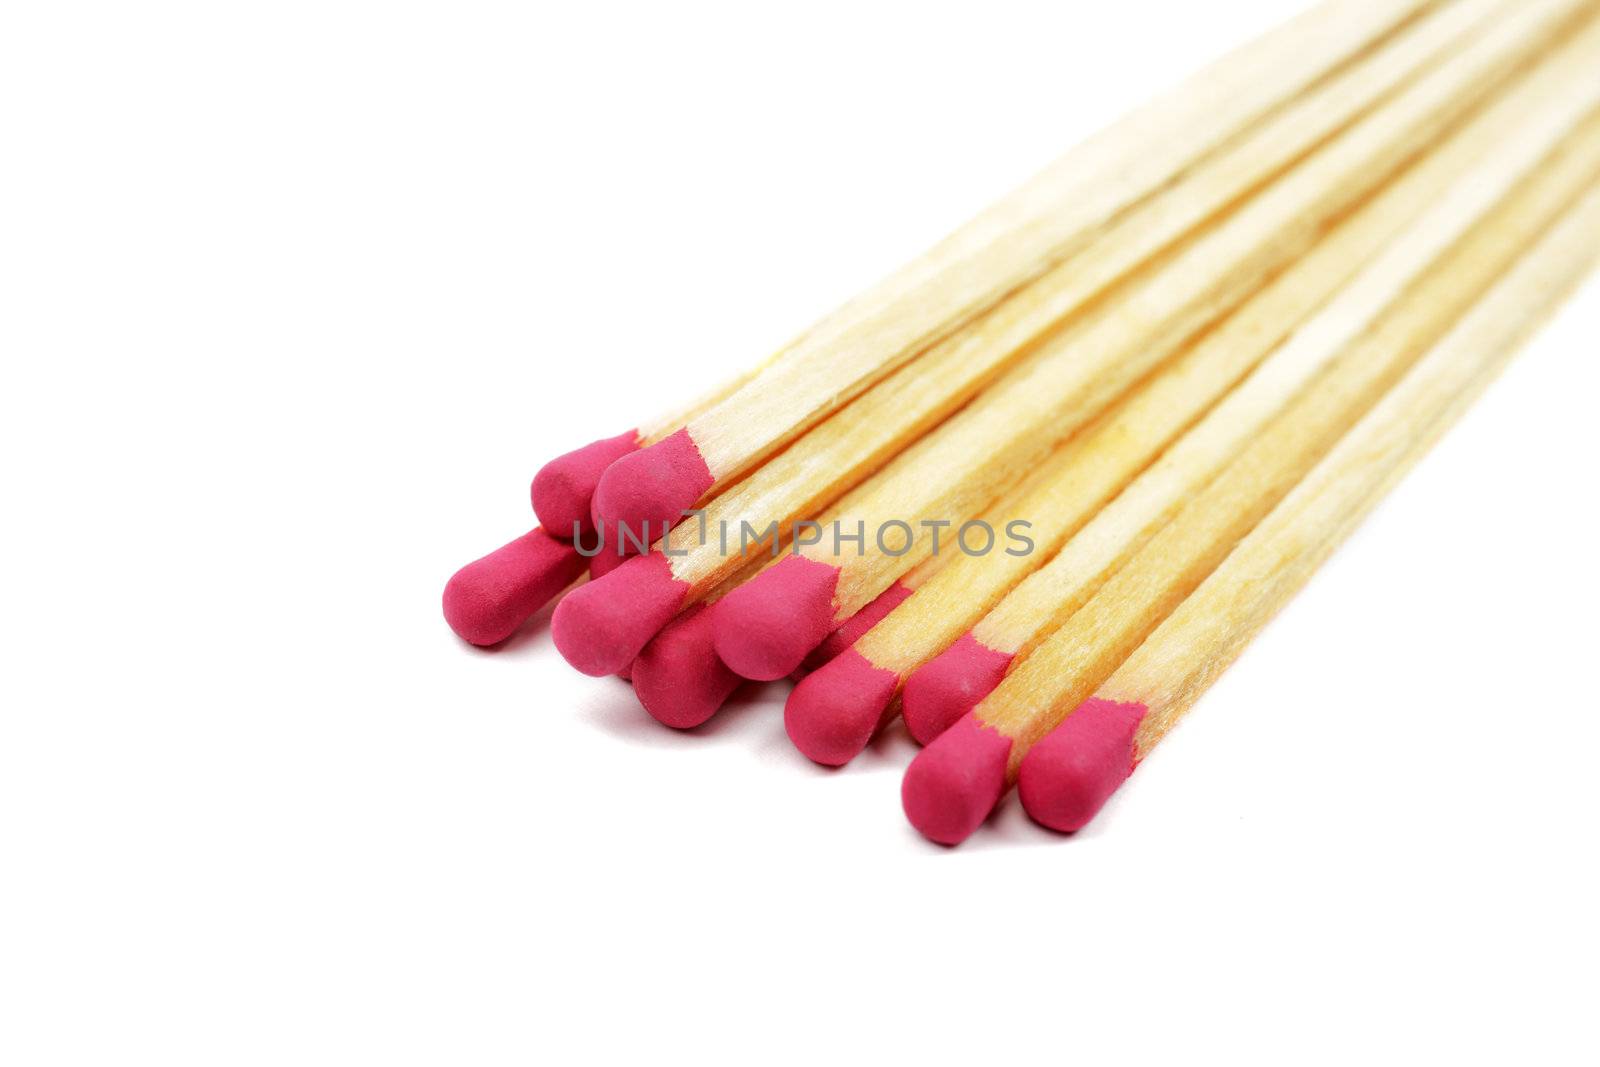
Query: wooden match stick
{"x": 832, "y": 714}
{"x": 1004, "y": 248}
{"x": 1067, "y": 777}
{"x": 953, "y": 784}
{"x": 767, "y": 626}
{"x": 1516, "y": 137}
{"x": 604, "y": 625}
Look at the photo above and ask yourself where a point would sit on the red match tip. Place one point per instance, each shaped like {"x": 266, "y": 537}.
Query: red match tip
{"x": 654, "y": 485}
{"x": 602, "y": 631}
{"x": 605, "y": 561}
{"x": 1066, "y": 778}
{"x": 954, "y": 783}
{"x": 766, "y": 626}
{"x": 834, "y": 712}
{"x": 951, "y": 684}
{"x": 563, "y": 490}
{"x": 678, "y": 677}
{"x": 857, "y": 625}
{"x": 487, "y": 600}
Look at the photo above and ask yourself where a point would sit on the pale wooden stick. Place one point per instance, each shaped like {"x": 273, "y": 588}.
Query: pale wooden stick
{"x": 1067, "y": 777}
{"x": 952, "y": 785}
{"x": 831, "y": 716}
{"x": 1012, "y": 243}
{"x": 950, "y": 472}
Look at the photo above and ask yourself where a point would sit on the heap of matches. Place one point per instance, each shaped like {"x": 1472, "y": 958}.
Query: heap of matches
{"x": 1179, "y": 367}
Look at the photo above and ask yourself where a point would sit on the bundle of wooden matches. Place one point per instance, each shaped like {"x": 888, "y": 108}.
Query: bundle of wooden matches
{"x": 1036, "y": 490}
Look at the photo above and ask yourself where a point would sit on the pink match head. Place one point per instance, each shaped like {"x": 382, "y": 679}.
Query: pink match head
{"x": 605, "y": 561}
{"x": 766, "y": 626}
{"x": 563, "y": 490}
{"x": 954, "y": 783}
{"x": 834, "y": 712}
{"x": 1067, "y": 777}
{"x": 858, "y": 624}
{"x": 951, "y": 684}
{"x": 650, "y": 489}
{"x": 602, "y": 631}
{"x": 678, "y": 677}
{"x": 486, "y": 601}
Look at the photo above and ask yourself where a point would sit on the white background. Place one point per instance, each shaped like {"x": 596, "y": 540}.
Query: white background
{"x": 295, "y": 299}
